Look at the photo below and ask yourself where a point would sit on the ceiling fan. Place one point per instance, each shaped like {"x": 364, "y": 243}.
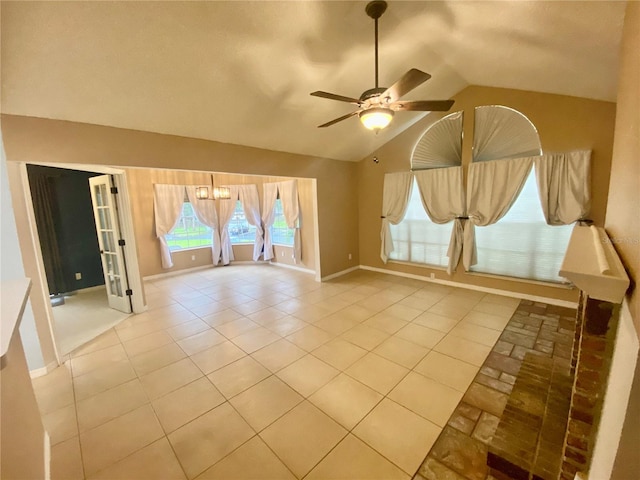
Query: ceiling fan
{"x": 376, "y": 106}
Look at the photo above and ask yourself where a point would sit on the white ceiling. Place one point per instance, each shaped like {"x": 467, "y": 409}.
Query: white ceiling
{"x": 241, "y": 72}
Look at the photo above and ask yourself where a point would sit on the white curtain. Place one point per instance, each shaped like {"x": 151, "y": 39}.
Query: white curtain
{"x": 291, "y": 209}
{"x": 492, "y": 187}
{"x": 269, "y": 197}
{"x": 442, "y": 195}
{"x": 205, "y": 211}
{"x": 395, "y": 197}
{"x": 167, "y": 206}
{"x": 251, "y": 206}
{"x": 564, "y": 185}
{"x": 227, "y": 207}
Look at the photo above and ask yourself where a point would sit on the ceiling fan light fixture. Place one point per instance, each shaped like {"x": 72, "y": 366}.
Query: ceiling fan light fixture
{"x": 376, "y": 118}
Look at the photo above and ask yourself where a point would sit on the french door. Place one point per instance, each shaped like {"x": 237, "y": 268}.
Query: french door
{"x": 109, "y": 240}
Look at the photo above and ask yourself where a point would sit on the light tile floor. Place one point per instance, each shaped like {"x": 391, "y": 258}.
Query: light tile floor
{"x": 255, "y": 371}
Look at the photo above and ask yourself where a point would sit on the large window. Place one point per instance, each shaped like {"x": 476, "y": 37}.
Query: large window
{"x": 240, "y": 232}
{"x": 280, "y": 233}
{"x": 417, "y": 239}
{"x": 521, "y": 244}
{"x": 189, "y": 232}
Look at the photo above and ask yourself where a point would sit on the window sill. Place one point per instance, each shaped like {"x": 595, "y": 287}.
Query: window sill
{"x": 562, "y": 286}
{"x": 189, "y": 249}
{"x": 419, "y": 265}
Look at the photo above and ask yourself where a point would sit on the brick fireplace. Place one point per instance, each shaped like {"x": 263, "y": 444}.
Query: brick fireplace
{"x": 550, "y": 422}
{"x": 596, "y": 328}
{"x": 548, "y": 427}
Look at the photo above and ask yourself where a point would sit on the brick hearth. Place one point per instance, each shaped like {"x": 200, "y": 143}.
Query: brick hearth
{"x": 461, "y": 450}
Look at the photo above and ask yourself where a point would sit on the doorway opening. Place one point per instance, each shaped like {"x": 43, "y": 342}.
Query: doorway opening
{"x": 91, "y": 273}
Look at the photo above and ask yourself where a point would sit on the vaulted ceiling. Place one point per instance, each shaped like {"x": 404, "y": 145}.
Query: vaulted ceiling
{"x": 241, "y": 72}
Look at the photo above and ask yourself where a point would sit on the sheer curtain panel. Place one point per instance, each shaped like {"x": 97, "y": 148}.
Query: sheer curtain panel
{"x": 291, "y": 209}
{"x": 395, "y": 196}
{"x": 227, "y": 207}
{"x": 269, "y": 197}
{"x": 564, "y": 185}
{"x": 492, "y": 187}
{"x": 442, "y": 195}
{"x": 167, "y": 205}
{"x": 205, "y": 211}
{"x": 250, "y": 201}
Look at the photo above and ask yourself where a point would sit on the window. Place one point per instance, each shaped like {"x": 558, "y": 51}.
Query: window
{"x": 521, "y": 244}
{"x": 280, "y": 233}
{"x": 240, "y": 232}
{"x": 417, "y": 239}
{"x": 189, "y": 232}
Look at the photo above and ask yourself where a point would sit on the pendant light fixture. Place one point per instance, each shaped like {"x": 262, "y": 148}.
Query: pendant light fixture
{"x": 217, "y": 193}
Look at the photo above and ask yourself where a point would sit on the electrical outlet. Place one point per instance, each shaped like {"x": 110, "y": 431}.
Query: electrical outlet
{"x": 433, "y": 276}
{"x": 282, "y": 254}
{"x": 193, "y": 258}
{"x": 78, "y": 276}
{"x": 349, "y": 256}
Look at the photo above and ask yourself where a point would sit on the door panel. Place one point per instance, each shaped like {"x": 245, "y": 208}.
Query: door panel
{"x": 111, "y": 253}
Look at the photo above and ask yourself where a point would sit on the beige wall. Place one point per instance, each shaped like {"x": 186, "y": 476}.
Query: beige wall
{"x": 141, "y": 180}
{"x": 623, "y": 217}
{"x": 623, "y": 212}
{"x": 564, "y": 123}
{"x": 29, "y": 139}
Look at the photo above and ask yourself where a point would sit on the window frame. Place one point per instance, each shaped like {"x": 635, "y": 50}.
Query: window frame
{"x": 557, "y": 233}
{"x": 194, "y": 219}
{"x": 279, "y": 212}
{"x": 241, "y": 223}
{"x": 419, "y": 208}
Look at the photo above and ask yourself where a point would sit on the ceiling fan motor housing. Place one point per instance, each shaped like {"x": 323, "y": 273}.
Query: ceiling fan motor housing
{"x": 372, "y": 93}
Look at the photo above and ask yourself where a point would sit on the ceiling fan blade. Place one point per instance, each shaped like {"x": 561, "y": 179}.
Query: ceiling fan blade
{"x": 423, "y": 105}
{"x": 408, "y": 82}
{"x": 333, "y": 96}
{"x": 344, "y": 117}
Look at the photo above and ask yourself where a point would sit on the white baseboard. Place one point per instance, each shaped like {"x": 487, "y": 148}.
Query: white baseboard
{"x": 159, "y": 276}
{"x": 341, "y": 273}
{"x": 47, "y": 456}
{"x": 92, "y": 289}
{"x": 292, "y": 267}
{"x": 173, "y": 273}
{"x": 39, "y": 372}
{"x": 495, "y": 291}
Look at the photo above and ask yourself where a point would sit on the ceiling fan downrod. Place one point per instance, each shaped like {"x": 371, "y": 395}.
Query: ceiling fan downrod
{"x": 375, "y": 10}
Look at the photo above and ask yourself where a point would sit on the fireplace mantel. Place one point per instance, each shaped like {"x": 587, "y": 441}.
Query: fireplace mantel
{"x": 593, "y": 265}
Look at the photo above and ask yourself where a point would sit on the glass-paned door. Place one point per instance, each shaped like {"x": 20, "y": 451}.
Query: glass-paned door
{"x": 108, "y": 235}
